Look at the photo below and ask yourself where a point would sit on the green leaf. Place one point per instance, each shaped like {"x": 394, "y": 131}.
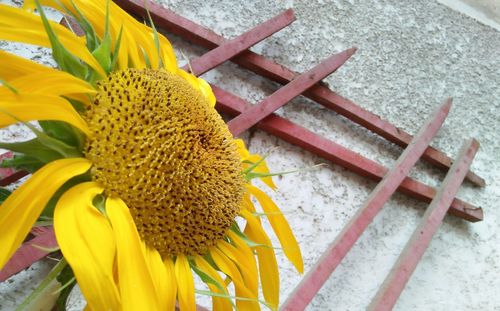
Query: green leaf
{"x": 67, "y": 278}
{"x": 23, "y": 162}
{"x": 41, "y": 289}
{"x": 34, "y": 148}
{"x": 4, "y": 194}
{"x": 63, "y": 57}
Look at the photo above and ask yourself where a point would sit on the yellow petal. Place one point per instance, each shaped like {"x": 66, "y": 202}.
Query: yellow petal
{"x": 22, "y": 26}
{"x": 218, "y": 303}
{"x": 54, "y": 83}
{"x": 170, "y": 298}
{"x": 205, "y": 88}
{"x": 268, "y": 267}
{"x": 12, "y": 66}
{"x": 230, "y": 269}
{"x": 137, "y": 38}
{"x": 21, "y": 209}
{"x": 158, "y": 274}
{"x": 88, "y": 244}
{"x": 185, "y": 284}
{"x": 246, "y": 265}
{"x": 244, "y": 248}
{"x": 280, "y": 227}
{"x": 242, "y": 149}
{"x": 136, "y": 286}
{"x": 29, "y": 107}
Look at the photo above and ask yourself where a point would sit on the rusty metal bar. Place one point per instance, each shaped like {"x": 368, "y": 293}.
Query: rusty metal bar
{"x": 329, "y": 150}
{"x": 27, "y": 254}
{"x": 331, "y": 258}
{"x": 235, "y": 46}
{"x": 291, "y": 90}
{"x": 202, "y": 36}
{"x": 402, "y": 270}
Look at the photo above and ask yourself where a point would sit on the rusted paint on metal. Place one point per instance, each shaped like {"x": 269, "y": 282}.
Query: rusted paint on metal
{"x": 235, "y": 46}
{"x": 27, "y": 254}
{"x": 391, "y": 289}
{"x": 331, "y": 258}
{"x": 202, "y": 36}
{"x": 291, "y": 90}
{"x": 288, "y": 131}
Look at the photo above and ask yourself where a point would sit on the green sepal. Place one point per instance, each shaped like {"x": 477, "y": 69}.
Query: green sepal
{"x": 63, "y": 57}
{"x": 90, "y": 35}
{"x": 63, "y": 132}
{"x": 23, "y": 162}
{"x": 251, "y": 175}
{"x": 48, "y": 211}
{"x": 10, "y": 87}
{"x": 34, "y": 148}
{"x": 61, "y": 147}
{"x": 114, "y": 58}
{"x": 67, "y": 278}
{"x": 42, "y": 138}
{"x": 209, "y": 280}
{"x": 99, "y": 202}
{"x": 4, "y": 194}
{"x": 247, "y": 240}
{"x": 103, "y": 51}
{"x": 156, "y": 38}
{"x": 253, "y": 165}
{"x": 210, "y": 293}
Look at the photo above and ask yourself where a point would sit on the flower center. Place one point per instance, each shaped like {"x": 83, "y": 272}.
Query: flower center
{"x": 161, "y": 148}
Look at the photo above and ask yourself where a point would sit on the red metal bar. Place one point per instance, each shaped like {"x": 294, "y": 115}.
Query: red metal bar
{"x": 197, "y": 34}
{"x": 402, "y": 270}
{"x": 293, "y": 89}
{"x": 27, "y": 254}
{"x": 235, "y": 46}
{"x": 317, "y": 276}
{"x": 297, "y": 135}
{"x": 4, "y": 172}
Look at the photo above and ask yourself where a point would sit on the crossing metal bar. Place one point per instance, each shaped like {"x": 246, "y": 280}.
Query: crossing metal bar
{"x": 331, "y": 258}
{"x": 189, "y": 30}
{"x": 391, "y": 289}
{"x": 235, "y": 46}
{"x": 29, "y": 253}
{"x": 288, "y": 131}
{"x": 286, "y": 93}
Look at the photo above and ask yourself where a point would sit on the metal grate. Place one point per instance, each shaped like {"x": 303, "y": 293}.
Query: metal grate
{"x": 262, "y": 116}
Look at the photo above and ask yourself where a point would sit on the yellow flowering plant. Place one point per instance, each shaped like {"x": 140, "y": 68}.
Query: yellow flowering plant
{"x": 134, "y": 167}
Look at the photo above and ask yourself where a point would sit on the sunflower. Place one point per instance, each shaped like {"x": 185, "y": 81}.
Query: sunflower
{"x": 140, "y": 176}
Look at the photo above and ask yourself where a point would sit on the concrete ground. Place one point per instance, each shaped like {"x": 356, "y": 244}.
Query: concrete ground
{"x": 412, "y": 55}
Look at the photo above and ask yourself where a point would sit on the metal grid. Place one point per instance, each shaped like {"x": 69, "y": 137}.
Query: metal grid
{"x": 261, "y": 115}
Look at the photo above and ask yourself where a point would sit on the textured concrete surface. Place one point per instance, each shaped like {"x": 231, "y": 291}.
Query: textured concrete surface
{"x": 412, "y": 55}
{"x": 485, "y": 11}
